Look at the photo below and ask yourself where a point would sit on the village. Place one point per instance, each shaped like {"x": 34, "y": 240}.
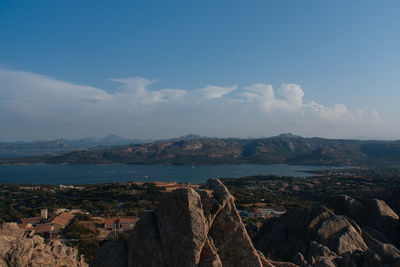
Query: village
{"x": 85, "y": 216}
{"x": 55, "y": 225}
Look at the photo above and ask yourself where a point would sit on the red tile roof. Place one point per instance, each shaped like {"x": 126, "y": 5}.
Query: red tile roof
{"x": 120, "y": 220}
{"x": 43, "y": 228}
{"x": 111, "y": 221}
{"x": 128, "y": 220}
{"x": 67, "y": 215}
{"x": 31, "y": 220}
{"x": 60, "y": 221}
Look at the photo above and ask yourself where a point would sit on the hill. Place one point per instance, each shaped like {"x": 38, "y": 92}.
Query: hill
{"x": 196, "y": 151}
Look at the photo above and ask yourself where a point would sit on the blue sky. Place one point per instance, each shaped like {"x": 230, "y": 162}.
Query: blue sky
{"x": 342, "y": 55}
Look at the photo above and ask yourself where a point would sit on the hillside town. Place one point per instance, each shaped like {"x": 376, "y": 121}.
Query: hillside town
{"x": 56, "y": 223}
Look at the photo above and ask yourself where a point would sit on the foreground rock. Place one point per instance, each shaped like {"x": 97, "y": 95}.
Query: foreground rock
{"x": 190, "y": 228}
{"x": 19, "y": 248}
{"x": 316, "y": 236}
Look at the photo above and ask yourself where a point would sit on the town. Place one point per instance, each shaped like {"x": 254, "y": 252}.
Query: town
{"x": 86, "y": 216}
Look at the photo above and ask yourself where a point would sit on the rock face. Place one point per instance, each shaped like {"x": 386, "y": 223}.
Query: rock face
{"x": 373, "y": 215}
{"x": 19, "y": 248}
{"x": 315, "y": 232}
{"x": 202, "y": 228}
{"x": 316, "y": 236}
{"x": 113, "y": 253}
{"x": 191, "y": 228}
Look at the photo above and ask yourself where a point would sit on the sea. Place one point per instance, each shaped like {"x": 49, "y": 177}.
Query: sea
{"x": 121, "y": 173}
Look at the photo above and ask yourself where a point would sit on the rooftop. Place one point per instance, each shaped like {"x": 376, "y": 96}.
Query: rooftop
{"x": 60, "y": 221}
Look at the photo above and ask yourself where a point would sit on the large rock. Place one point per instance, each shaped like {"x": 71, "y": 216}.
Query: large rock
{"x": 193, "y": 228}
{"x": 381, "y": 255}
{"x": 313, "y": 235}
{"x": 373, "y": 215}
{"x": 313, "y": 228}
{"x": 112, "y": 254}
{"x": 19, "y": 248}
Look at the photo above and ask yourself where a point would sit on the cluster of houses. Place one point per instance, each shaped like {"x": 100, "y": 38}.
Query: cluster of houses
{"x": 55, "y": 225}
{"x": 257, "y": 212}
{"x": 110, "y": 227}
{"x": 68, "y": 187}
{"x": 122, "y": 224}
{"x": 169, "y": 187}
{"x": 43, "y": 224}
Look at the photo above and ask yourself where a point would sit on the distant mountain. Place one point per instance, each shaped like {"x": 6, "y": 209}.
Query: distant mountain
{"x": 287, "y": 135}
{"x": 287, "y": 149}
{"x": 84, "y": 143}
{"x": 110, "y": 140}
{"x": 68, "y": 144}
{"x": 185, "y": 137}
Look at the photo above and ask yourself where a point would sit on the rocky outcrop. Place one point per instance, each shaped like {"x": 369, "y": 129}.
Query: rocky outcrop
{"x": 381, "y": 255}
{"x": 203, "y": 228}
{"x": 112, "y": 254}
{"x": 192, "y": 228}
{"x": 316, "y": 236}
{"x": 19, "y": 248}
{"x": 373, "y": 215}
{"x": 312, "y": 234}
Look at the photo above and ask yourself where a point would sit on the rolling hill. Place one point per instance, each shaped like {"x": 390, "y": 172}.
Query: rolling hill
{"x": 285, "y": 149}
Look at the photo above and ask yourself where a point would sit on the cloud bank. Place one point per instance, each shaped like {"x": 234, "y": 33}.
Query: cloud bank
{"x": 34, "y": 106}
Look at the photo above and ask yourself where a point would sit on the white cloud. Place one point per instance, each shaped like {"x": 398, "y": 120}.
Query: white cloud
{"x": 290, "y": 100}
{"x": 133, "y": 92}
{"x": 292, "y": 93}
{"x": 212, "y": 91}
{"x": 212, "y": 110}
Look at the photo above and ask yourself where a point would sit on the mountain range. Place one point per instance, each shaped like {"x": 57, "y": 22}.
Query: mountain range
{"x": 69, "y": 144}
{"x": 197, "y": 150}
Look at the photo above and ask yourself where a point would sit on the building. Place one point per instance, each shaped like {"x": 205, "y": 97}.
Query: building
{"x": 43, "y": 214}
{"x": 127, "y": 223}
{"x": 44, "y": 228}
{"x": 59, "y": 222}
{"x": 32, "y": 220}
{"x": 67, "y": 187}
{"x": 120, "y": 223}
{"x": 62, "y": 220}
{"x": 110, "y": 223}
{"x": 170, "y": 186}
{"x": 255, "y": 212}
{"x": 67, "y": 215}
{"x": 270, "y": 212}
{"x": 30, "y": 188}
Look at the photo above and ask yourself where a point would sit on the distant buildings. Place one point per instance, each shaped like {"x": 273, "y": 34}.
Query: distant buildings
{"x": 66, "y": 187}
{"x": 43, "y": 214}
{"x": 258, "y": 212}
{"x": 44, "y": 228}
{"x": 169, "y": 187}
{"x": 62, "y": 220}
{"x": 31, "y": 220}
{"x": 42, "y": 224}
{"x": 120, "y": 223}
{"x": 254, "y": 212}
{"x": 29, "y": 188}
{"x": 270, "y": 212}
{"x": 35, "y": 220}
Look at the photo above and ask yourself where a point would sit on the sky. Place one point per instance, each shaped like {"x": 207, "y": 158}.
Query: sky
{"x": 161, "y": 69}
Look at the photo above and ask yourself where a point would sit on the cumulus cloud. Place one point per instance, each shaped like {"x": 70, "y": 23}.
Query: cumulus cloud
{"x": 133, "y": 107}
{"x": 289, "y": 99}
{"x": 212, "y": 91}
